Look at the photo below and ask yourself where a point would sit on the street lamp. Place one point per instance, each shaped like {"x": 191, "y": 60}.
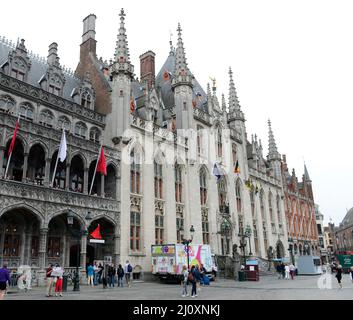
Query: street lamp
{"x": 242, "y": 243}
{"x": 248, "y": 235}
{"x": 77, "y": 234}
{"x": 186, "y": 242}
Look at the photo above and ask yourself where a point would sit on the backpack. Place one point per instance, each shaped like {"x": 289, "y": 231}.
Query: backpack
{"x": 129, "y": 268}
{"x": 190, "y": 277}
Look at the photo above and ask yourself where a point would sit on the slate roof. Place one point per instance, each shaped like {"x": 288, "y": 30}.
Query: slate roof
{"x": 38, "y": 70}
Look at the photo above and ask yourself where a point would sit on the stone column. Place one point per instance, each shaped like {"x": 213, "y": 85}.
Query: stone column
{"x": 28, "y": 246}
{"x": 25, "y": 166}
{"x": 2, "y": 150}
{"x": 116, "y": 254}
{"x": 85, "y": 182}
{"x": 67, "y": 250}
{"x": 23, "y": 247}
{"x": 2, "y": 240}
{"x": 67, "y": 186}
{"x": 83, "y": 257}
{"x": 43, "y": 247}
{"x": 102, "y": 185}
{"x": 83, "y": 250}
{"x": 47, "y": 172}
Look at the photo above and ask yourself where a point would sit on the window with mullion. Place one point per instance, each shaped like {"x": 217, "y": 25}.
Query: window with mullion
{"x": 158, "y": 181}
{"x": 159, "y": 228}
{"x": 178, "y": 184}
{"x": 135, "y": 229}
{"x": 135, "y": 175}
{"x": 238, "y": 196}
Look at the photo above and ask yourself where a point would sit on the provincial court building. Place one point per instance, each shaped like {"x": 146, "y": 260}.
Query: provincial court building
{"x": 177, "y": 157}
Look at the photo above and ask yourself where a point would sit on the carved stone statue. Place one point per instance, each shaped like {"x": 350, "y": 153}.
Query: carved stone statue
{"x": 236, "y": 261}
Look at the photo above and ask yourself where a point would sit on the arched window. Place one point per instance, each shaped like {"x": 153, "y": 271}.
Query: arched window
{"x": 135, "y": 173}
{"x": 110, "y": 182}
{"x": 278, "y": 205}
{"x": 76, "y": 174}
{"x": 199, "y": 139}
{"x": 80, "y": 130}
{"x": 252, "y": 202}
{"x": 234, "y": 154}
{"x": 178, "y": 183}
{"x": 203, "y": 187}
{"x": 219, "y": 142}
{"x": 94, "y": 134}
{"x": 65, "y": 123}
{"x": 36, "y": 164}
{"x": 222, "y": 192}
{"x": 46, "y": 118}
{"x": 27, "y": 111}
{"x": 238, "y": 196}
{"x": 158, "y": 180}
{"x": 270, "y": 206}
{"x": 205, "y": 228}
{"x": 7, "y": 104}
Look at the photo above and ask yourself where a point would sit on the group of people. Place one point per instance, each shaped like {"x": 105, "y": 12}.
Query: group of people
{"x": 338, "y": 275}
{"x": 196, "y": 276}
{"x": 285, "y": 270}
{"x": 108, "y": 274}
{"x": 54, "y": 275}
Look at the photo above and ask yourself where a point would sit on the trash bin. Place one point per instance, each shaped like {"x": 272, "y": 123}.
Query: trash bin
{"x": 241, "y": 276}
{"x": 64, "y": 283}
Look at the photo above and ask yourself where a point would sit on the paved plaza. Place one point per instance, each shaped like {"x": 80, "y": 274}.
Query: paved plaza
{"x": 268, "y": 288}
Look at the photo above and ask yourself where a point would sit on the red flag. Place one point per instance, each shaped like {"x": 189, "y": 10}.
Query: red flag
{"x": 102, "y": 163}
{"x": 14, "y": 137}
{"x": 96, "y": 234}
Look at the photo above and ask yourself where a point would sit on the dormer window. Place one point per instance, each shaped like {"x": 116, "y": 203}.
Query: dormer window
{"x": 80, "y": 130}
{"x": 54, "y": 90}
{"x": 55, "y": 84}
{"x": 18, "y": 73}
{"x": 86, "y": 100}
{"x": 27, "y": 111}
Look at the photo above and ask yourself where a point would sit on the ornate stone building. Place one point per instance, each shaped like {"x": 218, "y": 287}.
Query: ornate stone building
{"x": 166, "y": 140}
{"x": 300, "y": 214}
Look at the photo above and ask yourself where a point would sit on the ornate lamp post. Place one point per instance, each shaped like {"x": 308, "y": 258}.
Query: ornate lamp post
{"x": 186, "y": 242}
{"x": 242, "y": 244}
{"x": 77, "y": 234}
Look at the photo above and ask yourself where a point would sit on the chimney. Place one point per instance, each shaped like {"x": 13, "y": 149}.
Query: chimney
{"x": 89, "y": 28}
{"x": 53, "y": 53}
{"x": 147, "y": 69}
{"x": 89, "y": 42}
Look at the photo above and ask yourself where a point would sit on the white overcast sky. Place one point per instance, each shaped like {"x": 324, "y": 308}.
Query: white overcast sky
{"x": 292, "y": 63}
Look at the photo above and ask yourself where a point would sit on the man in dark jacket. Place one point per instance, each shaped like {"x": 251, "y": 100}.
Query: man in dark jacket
{"x": 4, "y": 279}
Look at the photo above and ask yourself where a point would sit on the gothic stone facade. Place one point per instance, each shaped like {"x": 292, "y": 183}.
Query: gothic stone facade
{"x": 163, "y": 136}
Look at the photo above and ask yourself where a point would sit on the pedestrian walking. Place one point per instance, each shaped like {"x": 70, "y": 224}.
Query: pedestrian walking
{"x": 279, "y": 272}
{"x": 100, "y": 272}
{"x": 49, "y": 279}
{"x": 198, "y": 277}
{"x": 184, "y": 282}
{"x": 283, "y": 270}
{"x": 90, "y": 274}
{"x": 192, "y": 279}
{"x": 128, "y": 272}
{"x": 58, "y": 274}
{"x": 292, "y": 271}
{"x": 111, "y": 276}
{"x": 351, "y": 274}
{"x": 120, "y": 272}
{"x": 4, "y": 279}
{"x": 105, "y": 277}
{"x": 95, "y": 275}
{"x": 287, "y": 271}
{"x": 339, "y": 275}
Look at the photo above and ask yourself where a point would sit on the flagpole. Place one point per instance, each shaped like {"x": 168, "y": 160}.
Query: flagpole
{"x": 95, "y": 170}
{"x": 57, "y": 160}
{"x": 10, "y": 156}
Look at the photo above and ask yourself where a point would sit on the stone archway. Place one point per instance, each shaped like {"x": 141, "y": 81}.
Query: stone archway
{"x": 20, "y": 237}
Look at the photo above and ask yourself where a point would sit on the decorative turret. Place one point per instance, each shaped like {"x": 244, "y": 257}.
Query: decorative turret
{"x": 121, "y": 63}
{"x": 235, "y": 112}
{"x": 306, "y": 174}
{"x": 182, "y": 75}
{"x": 224, "y": 105}
{"x": 273, "y": 155}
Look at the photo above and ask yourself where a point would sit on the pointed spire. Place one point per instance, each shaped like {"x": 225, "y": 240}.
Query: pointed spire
{"x": 233, "y": 97}
{"x": 224, "y": 104}
{"x": 122, "y": 61}
{"x": 306, "y": 174}
{"x": 122, "y": 49}
{"x": 272, "y": 147}
{"x": 182, "y": 74}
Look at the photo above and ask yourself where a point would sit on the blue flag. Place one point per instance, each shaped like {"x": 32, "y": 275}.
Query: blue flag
{"x": 216, "y": 172}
